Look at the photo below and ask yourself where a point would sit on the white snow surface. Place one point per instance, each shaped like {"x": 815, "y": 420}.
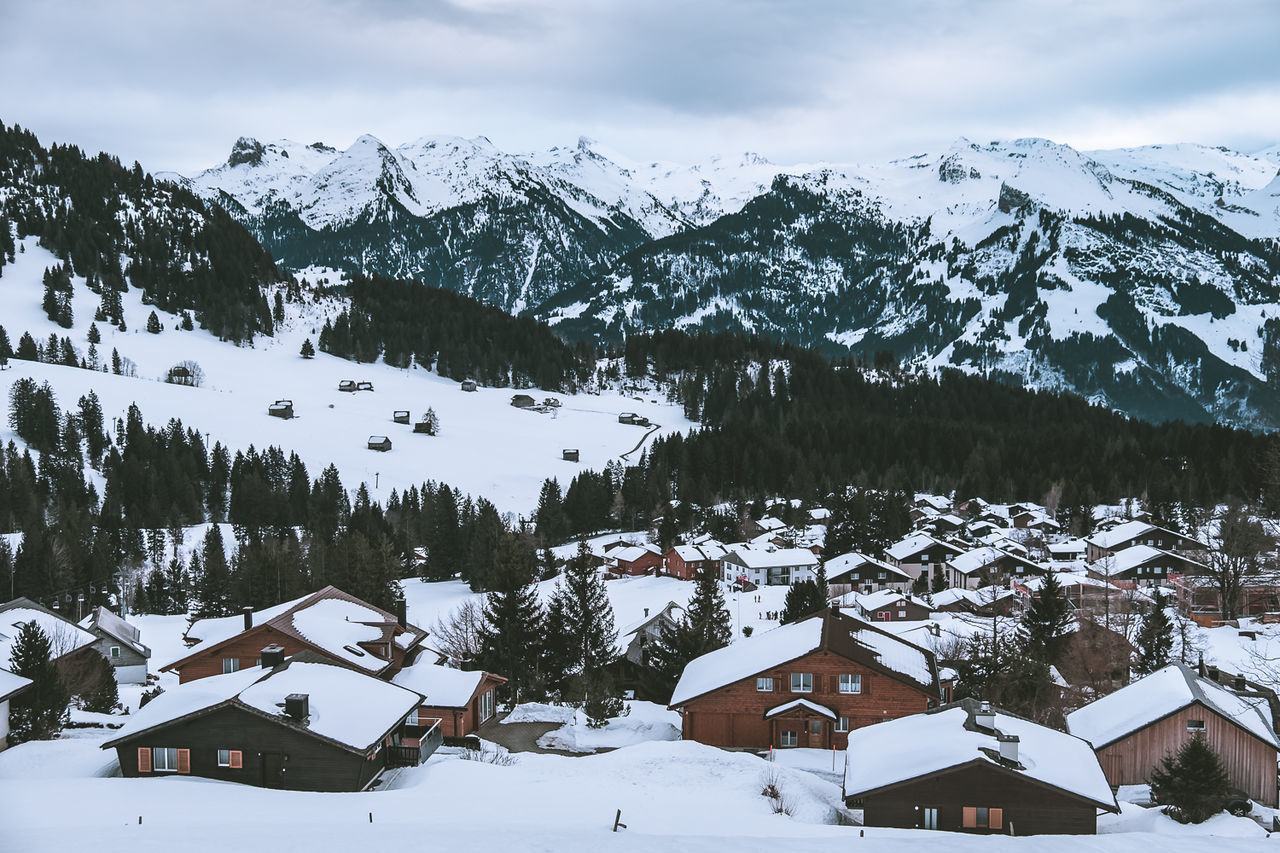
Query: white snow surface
{"x": 642, "y": 722}
{"x": 188, "y": 698}
{"x": 65, "y": 636}
{"x": 10, "y": 682}
{"x": 1164, "y": 691}
{"x": 540, "y": 712}
{"x": 910, "y": 747}
{"x": 333, "y": 624}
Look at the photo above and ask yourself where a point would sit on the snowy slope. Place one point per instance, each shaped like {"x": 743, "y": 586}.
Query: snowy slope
{"x": 486, "y": 447}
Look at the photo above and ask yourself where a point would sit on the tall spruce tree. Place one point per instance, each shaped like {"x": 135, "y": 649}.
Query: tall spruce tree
{"x": 803, "y": 598}
{"x": 592, "y": 637}
{"x": 705, "y": 627}
{"x": 511, "y": 635}
{"x": 1191, "y": 783}
{"x": 1047, "y": 621}
{"x": 212, "y": 586}
{"x": 40, "y": 712}
{"x": 1155, "y": 638}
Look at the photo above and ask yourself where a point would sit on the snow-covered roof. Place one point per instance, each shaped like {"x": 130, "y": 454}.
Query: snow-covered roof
{"x": 747, "y": 657}
{"x": 832, "y": 630}
{"x": 343, "y": 705}
{"x": 770, "y": 523}
{"x": 115, "y": 627}
{"x": 764, "y": 558}
{"x": 442, "y": 686}
{"x": 916, "y": 542}
{"x": 1159, "y": 694}
{"x": 11, "y": 684}
{"x": 1071, "y": 546}
{"x": 854, "y": 560}
{"x": 936, "y": 501}
{"x": 213, "y": 631}
{"x": 980, "y": 558}
{"x": 631, "y": 553}
{"x": 886, "y": 597}
{"x": 1119, "y": 534}
{"x": 800, "y": 703}
{"x": 64, "y": 635}
{"x": 1127, "y": 559}
{"x": 915, "y": 746}
{"x": 710, "y": 550}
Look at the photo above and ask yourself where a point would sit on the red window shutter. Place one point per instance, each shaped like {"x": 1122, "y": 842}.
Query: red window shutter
{"x": 237, "y": 759}
{"x": 970, "y": 817}
{"x": 144, "y": 759}
{"x": 995, "y": 818}
{"x": 184, "y": 761}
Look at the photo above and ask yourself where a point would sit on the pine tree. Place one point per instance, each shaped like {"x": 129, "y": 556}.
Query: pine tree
{"x": 511, "y": 635}
{"x": 213, "y": 582}
{"x": 308, "y": 349}
{"x": 1047, "y": 621}
{"x": 1155, "y": 638}
{"x": 803, "y": 598}
{"x": 153, "y": 323}
{"x": 40, "y": 712}
{"x": 1192, "y": 783}
{"x": 549, "y": 519}
{"x": 592, "y": 637}
{"x": 102, "y": 697}
{"x": 705, "y": 627}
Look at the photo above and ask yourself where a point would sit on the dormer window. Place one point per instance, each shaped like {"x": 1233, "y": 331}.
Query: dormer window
{"x": 357, "y": 652}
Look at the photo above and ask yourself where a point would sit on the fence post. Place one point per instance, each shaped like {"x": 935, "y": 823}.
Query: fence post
{"x": 617, "y": 821}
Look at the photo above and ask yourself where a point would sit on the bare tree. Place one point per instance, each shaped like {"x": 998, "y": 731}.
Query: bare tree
{"x": 457, "y": 636}
{"x": 1243, "y": 547}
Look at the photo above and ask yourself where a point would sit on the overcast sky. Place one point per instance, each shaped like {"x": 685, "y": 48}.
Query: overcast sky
{"x": 174, "y": 84}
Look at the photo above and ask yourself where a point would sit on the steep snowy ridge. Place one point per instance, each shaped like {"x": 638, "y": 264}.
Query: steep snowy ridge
{"x": 1145, "y": 278}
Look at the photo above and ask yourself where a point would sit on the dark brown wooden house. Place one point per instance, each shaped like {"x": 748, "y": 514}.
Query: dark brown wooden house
{"x": 855, "y": 572}
{"x": 966, "y": 767}
{"x": 330, "y": 623}
{"x": 889, "y": 605}
{"x": 1134, "y": 728}
{"x": 302, "y": 725}
{"x": 805, "y": 684}
{"x": 380, "y": 443}
{"x": 348, "y": 385}
{"x": 400, "y": 416}
{"x": 281, "y": 409}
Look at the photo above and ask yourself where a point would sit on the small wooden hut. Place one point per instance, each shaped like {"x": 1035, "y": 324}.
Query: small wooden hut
{"x": 400, "y": 417}
{"x": 379, "y": 442}
{"x": 347, "y": 385}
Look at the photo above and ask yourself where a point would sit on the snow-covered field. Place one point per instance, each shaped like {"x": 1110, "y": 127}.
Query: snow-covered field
{"x": 486, "y": 447}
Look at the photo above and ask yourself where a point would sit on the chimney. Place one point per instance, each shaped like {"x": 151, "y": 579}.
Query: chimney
{"x": 296, "y": 706}
{"x": 1008, "y": 748}
{"x": 646, "y": 612}
{"x": 985, "y": 718}
{"x": 1200, "y": 667}
{"x": 1213, "y": 673}
{"x": 248, "y": 617}
{"x": 402, "y": 612}
{"x": 272, "y": 656}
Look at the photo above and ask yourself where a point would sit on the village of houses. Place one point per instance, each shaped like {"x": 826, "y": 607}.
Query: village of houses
{"x": 847, "y": 715}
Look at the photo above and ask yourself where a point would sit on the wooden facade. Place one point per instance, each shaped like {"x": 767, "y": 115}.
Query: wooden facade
{"x": 735, "y": 714}
{"x": 902, "y": 610}
{"x": 956, "y": 800}
{"x": 271, "y": 754}
{"x": 1250, "y": 762}
{"x": 456, "y": 722}
{"x": 678, "y": 567}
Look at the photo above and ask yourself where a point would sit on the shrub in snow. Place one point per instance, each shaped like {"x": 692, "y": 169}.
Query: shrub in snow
{"x": 486, "y": 755}
{"x": 101, "y": 697}
{"x": 1192, "y": 783}
{"x": 772, "y": 791}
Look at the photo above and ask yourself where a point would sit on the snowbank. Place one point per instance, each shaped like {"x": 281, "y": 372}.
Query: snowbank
{"x": 538, "y": 712}
{"x": 644, "y": 721}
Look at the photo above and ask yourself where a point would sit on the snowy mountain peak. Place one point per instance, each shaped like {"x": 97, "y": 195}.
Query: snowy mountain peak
{"x": 247, "y": 150}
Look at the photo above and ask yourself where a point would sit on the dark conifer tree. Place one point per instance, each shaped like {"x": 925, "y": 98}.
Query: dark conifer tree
{"x": 40, "y": 712}
{"x": 1047, "y": 621}
{"x": 1192, "y": 783}
{"x": 1155, "y": 638}
{"x": 511, "y": 636}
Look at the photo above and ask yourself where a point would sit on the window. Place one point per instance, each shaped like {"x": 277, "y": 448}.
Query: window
{"x": 164, "y": 759}
{"x": 224, "y": 758}
{"x": 981, "y": 817}
{"x": 230, "y": 665}
{"x": 790, "y": 739}
{"x": 801, "y": 682}
{"x": 902, "y": 614}
{"x": 924, "y": 558}
{"x": 115, "y": 652}
{"x": 1195, "y": 726}
{"x": 486, "y": 705}
{"x": 815, "y": 727}
{"x": 412, "y": 719}
{"x": 929, "y": 819}
{"x": 764, "y": 684}
{"x": 842, "y": 724}
{"x": 850, "y": 682}
{"x": 357, "y": 652}
{"x": 880, "y": 575}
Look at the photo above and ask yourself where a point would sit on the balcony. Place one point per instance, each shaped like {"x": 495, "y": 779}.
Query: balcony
{"x": 416, "y": 746}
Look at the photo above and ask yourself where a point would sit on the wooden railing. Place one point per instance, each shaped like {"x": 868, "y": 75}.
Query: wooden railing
{"x": 420, "y": 743}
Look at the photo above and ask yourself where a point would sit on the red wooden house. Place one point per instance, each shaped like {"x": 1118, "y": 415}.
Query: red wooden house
{"x": 635, "y": 560}
{"x": 463, "y": 700}
{"x": 685, "y": 561}
{"x": 330, "y": 623}
{"x": 805, "y": 684}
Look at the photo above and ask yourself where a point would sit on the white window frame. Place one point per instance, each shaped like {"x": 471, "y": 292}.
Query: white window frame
{"x": 802, "y": 682}
{"x": 790, "y": 739}
{"x": 221, "y": 753}
{"x": 764, "y": 684}
{"x": 851, "y": 683}
{"x": 160, "y": 756}
{"x": 230, "y": 665}
{"x": 486, "y": 705}
{"x": 842, "y": 724}
{"x": 412, "y": 719}
{"x": 115, "y": 652}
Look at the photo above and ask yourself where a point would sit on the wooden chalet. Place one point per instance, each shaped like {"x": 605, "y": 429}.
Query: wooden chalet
{"x": 968, "y": 767}
{"x": 460, "y": 700}
{"x": 855, "y": 572}
{"x": 10, "y": 686}
{"x": 364, "y": 385}
{"x": 74, "y": 648}
{"x": 347, "y": 385}
{"x": 1128, "y": 534}
{"x": 1144, "y": 565}
{"x": 920, "y": 554}
{"x": 685, "y": 561}
{"x": 281, "y": 409}
{"x": 891, "y": 605}
{"x": 807, "y": 684}
{"x": 631, "y": 670}
{"x": 120, "y": 643}
{"x": 380, "y": 443}
{"x": 468, "y": 385}
{"x": 1135, "y": 727}
{"x": 627, "y": 418}
{"x": 990, "y": 565}
{"x": 400, "y": 416}
{"x": 301, "y": 725}
{"x": 569, "y": 454}
{"x": 331, "y": 623}
{"x": 634, "y": 560}
{"x": 180, "y": 374}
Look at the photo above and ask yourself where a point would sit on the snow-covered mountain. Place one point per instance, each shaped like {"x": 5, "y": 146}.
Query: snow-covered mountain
{"x": 1147, "y": 278}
